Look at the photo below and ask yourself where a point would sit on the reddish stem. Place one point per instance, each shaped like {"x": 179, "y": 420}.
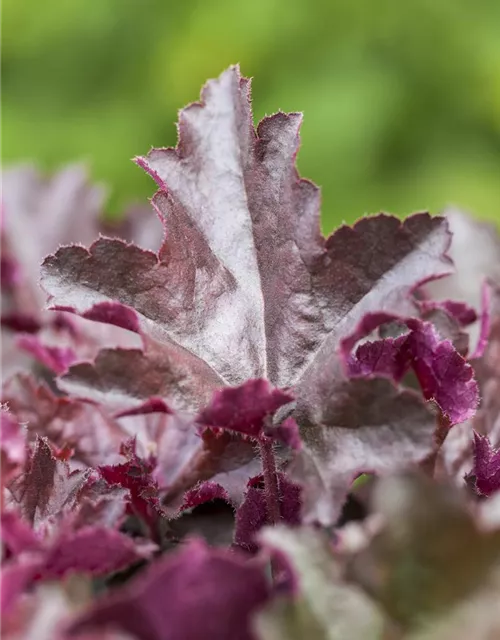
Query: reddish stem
{"x": 270, "y": 479}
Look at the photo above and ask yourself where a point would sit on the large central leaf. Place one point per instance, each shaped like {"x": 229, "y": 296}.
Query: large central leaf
{"x": 244, "y": 280}
{"x": 245, "y": 285}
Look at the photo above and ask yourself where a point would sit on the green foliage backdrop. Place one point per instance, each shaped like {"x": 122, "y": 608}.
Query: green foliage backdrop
{"x": 401, "y": 99}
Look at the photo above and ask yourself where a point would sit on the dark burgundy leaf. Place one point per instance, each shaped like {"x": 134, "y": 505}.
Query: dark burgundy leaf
{"x": 21, "y": 323}
{"x": 443, "y": 374}
{"x": 9, "y": 273}
{"x": 152, "y": 405}
{"x": 135, "y": 475}
{"x": 253, "y": 514}
{"x": 287, "y": 296}
{"x": 372, "y": 427}
{"x": 202, "y": 493}
{"x": 163, "y": 371}
{"x": 244, "y": 285}
{"x": 195, "y": 593}
{"x": 244, "y": 409}
{"x": 113, "y": 313}
{"x": 92, "y": 550}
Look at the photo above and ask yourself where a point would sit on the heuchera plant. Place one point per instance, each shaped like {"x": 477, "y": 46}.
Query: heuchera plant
{"x": 184, "y": 430}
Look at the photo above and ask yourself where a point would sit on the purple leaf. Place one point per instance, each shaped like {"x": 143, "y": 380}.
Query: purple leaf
{"x": 486, "y": 466}
{"x": 487, "y": 295}
{"x": 56, "y": 359}
{"x": 47, "y": 485}
{"x": 443, "y": 374}
{"x": 113, "y": 313}
{"x": 287, "y": 432}
{"x": 17, "y": 535}
{"x": 16, "y": 577}
{"x": 84, "y": 427}
{"x": 151, "y": 405}
{"x": 21, "y": 323}
{"x": 9, "y": 273}
{"x": 135, "y": 475}
{"x": 202, "y": 493}
{"x": 244, "y": 409}
{"x": 252, "y": 515}
{"x": 244, "y": 285}
{"x": 371, "y": 427}
{"x": 287, "y": 295}
{"x": 460, "y": 311}
{"x": 41, "y": 214}
{"x": 161, "y": 371}
{"x": 92, "y": 550}
{"x": 196, "y": 592}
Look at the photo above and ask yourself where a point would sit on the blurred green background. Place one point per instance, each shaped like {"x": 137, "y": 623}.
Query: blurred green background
{"x": 401, "y": 99}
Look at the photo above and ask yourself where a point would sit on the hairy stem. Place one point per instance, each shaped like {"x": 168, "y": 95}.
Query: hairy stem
{"x": 270, "y": 479}
{"x": 442, "y": 427}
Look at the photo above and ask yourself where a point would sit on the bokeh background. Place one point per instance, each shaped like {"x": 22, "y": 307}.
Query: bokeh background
{"x": 401, "y": 99}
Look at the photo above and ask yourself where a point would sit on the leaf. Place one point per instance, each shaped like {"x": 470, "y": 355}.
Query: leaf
{"x": 46, "y": 486}
{"x": 443, "y": 374}
{"x": 475, "y": 250}
{"x": 253, "y": 514}
{"x": 324, "y": 607}
{"x": 135, "y": 475}
{"x": 203, "y": 493}
{"x": 276, "y": 304}
{"x": 92, "y": 550}
{"x": 244, "y": 285}
{"x": 456, "y": 457}
{"x": 429, "y": 556}
{"x": 40, "y": 214}
{"x": 84, "y": 427}
{"x": 195, "y": 592}
{"x": 244, "y": 409}
{"x": 460, "y": 311}
{"x": 125, "y": 378}
{"x": 17, "y": 535}
{"x": 372, "y": 427}
{"x": 56, "y": 359}
{"x": 15, "y": 579}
